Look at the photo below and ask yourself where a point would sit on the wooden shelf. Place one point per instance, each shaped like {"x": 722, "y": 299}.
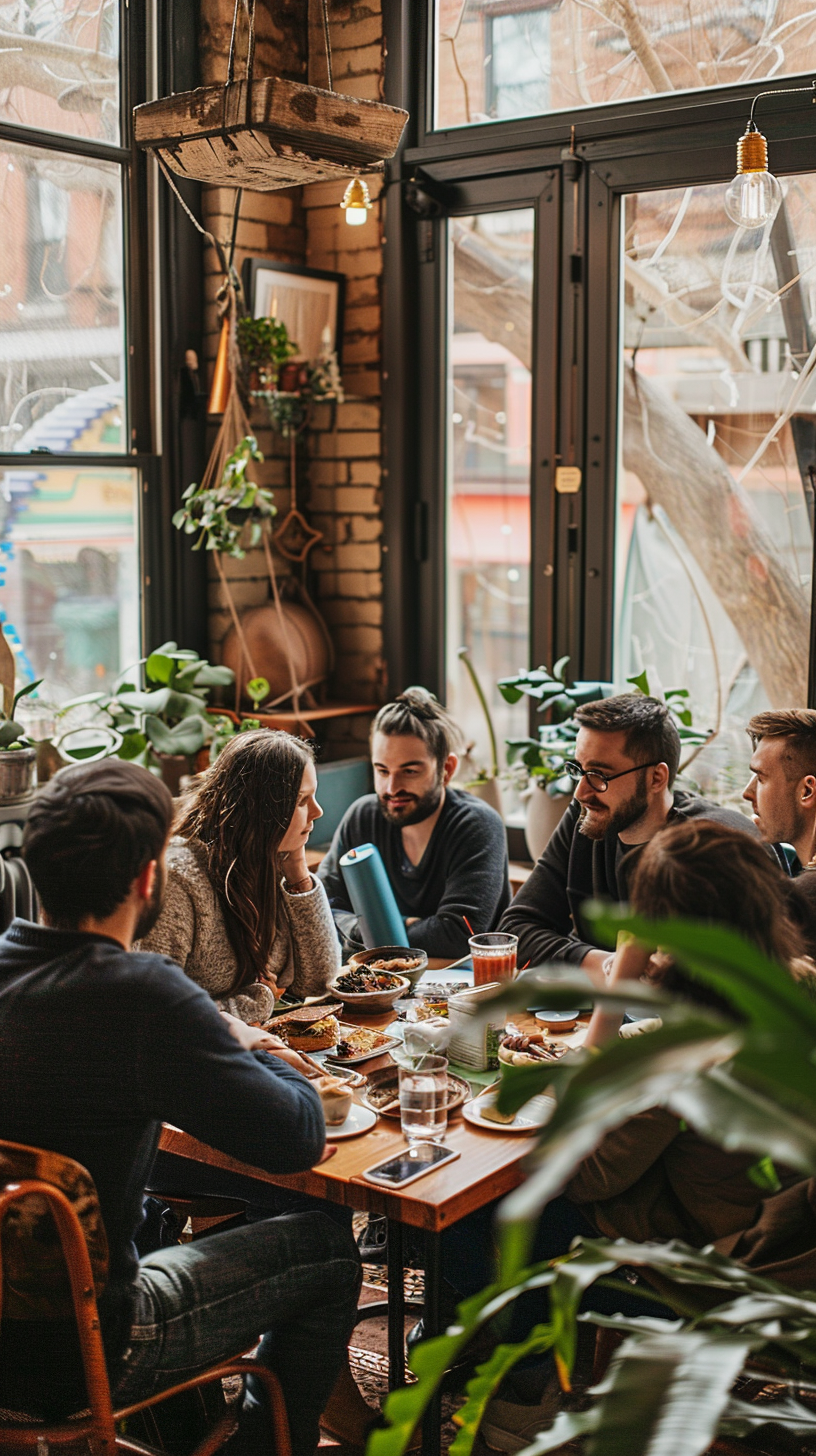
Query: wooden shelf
{"x": 302, "y": 722}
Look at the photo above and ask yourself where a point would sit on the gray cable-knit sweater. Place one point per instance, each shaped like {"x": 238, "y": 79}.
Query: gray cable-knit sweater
{"x": 191, "y": 931}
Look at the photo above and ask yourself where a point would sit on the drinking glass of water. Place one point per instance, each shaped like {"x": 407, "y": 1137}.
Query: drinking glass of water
{"x": 423, "y": 1096}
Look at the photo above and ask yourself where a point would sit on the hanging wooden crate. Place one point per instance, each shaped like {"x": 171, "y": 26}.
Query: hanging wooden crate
{"x": 264, "y": 134}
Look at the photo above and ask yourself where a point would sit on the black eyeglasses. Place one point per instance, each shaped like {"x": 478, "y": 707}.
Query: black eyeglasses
{"x": 600, "y": 781}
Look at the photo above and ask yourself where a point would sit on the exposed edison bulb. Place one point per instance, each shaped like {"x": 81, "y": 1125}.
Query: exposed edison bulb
{"x": 754, "y": 196}
{"x": 356, "y": 202}
{"x": 753, "y": 199}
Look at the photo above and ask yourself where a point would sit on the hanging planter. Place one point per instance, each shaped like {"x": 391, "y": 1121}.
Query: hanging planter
{"x": 267, "y": 133}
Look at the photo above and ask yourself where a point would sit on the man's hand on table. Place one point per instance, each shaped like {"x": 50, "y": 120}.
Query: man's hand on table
{"x": 255, "y": 1039}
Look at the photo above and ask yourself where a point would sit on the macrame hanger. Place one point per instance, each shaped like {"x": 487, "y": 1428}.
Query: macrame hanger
{"x": 249, "y": 6}
{"x": 327, "y": 41}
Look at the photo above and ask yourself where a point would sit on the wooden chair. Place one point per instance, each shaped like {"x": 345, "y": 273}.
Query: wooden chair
{"x": 53, "y": 1262}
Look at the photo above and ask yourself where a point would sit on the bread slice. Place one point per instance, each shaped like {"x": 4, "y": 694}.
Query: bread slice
{"x": 490, "y": 1112}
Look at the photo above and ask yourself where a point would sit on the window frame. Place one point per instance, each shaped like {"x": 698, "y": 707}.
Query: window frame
{"x": 172, "y": 589}
{"x": 657, "y": 142}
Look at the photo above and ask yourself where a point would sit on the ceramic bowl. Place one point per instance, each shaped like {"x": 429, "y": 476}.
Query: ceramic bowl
{"x": 373, "y": 1001}
{"x": 393, "y": 953}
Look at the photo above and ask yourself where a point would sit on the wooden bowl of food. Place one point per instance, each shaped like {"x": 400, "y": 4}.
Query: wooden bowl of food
{"x": 399, "y": 960}
{"x": 382, "y": 1092}
{"x": 361, "y": 988}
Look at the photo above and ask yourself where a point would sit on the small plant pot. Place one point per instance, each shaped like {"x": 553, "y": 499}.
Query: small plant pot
{"x": 174, "y": 767}
{"x": 543, "y": 816}
{"x": 17, "y": 770}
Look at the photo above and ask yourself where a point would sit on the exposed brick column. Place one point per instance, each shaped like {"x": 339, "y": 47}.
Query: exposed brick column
{"x": 306, "y": 225}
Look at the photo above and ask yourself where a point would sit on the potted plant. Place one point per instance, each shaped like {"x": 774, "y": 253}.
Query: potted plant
{"x": 228, "y": 517}
{"x": 164, "y": 725}
{"x": 549, "y": 788}
{"x": 18, "y": 753}
{"x": 264, "y": 346}
{"x": 673, "y": 1385}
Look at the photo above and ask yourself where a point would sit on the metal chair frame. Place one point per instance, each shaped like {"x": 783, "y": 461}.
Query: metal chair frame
{"x": 98, "y": 1427}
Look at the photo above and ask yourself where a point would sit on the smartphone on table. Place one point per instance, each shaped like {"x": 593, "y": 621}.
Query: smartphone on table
{"x": 414, "y": 1162}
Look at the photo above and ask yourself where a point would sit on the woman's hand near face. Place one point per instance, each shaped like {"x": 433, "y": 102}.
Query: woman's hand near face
{"x": 295, "y": 869}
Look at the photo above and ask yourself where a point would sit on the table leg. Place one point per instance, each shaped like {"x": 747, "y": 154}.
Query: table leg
{"x": 396, "y": 1306}
{"x": 432, "y": 1321}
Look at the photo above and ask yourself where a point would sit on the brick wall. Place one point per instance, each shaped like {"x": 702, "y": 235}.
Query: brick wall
{"x": 341, "y": 478}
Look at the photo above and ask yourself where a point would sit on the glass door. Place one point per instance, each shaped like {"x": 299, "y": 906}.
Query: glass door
{"x": 717, "y": 455}
{"x": 489, "y": 347}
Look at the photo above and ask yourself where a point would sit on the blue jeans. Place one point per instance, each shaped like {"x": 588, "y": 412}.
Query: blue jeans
{"x": 293, "y": 1281}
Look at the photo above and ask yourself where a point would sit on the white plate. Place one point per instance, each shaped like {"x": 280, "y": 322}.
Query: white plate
{"x": 387, "y": 1043}
{"x": 534, "y": 1115}
{"x": 360, "y": 1119}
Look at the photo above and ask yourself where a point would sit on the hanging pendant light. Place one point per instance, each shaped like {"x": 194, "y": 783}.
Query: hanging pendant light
{"x": 754, "y": 196}
{"x": 356, "y": 202}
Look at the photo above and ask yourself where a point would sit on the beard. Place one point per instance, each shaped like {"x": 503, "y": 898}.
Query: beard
{"x": 417, "y": 807}
{"x": 154, "y": 906}
{"x": 597, "y": 821}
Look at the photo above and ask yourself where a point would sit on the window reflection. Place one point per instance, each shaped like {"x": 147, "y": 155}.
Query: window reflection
{"x": 505, "y": 58}
{"x": 60, "y": 68}
{"x": 61, "y": 314}
{"x": 489, "y": 463}
{"x": 69, "y": 579}
{"x": 718, "y": 455}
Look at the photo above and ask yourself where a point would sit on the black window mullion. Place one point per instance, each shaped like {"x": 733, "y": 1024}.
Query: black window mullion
{"x": 544, "y": 423}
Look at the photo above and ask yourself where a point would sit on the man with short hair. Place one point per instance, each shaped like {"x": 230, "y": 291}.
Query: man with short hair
{"x": 626, "y": 758}
{"x": 98, "y": 1046}
{"x": 445, "y": 851}
{"x": 782, "y": 795}
{"x": 782, "y": 786}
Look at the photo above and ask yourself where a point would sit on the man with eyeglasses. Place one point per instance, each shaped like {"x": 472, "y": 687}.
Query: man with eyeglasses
{"x": 626, "y": 758}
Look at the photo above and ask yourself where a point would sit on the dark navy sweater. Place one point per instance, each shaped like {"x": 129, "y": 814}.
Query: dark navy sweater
{"x": 98, "y": 1047}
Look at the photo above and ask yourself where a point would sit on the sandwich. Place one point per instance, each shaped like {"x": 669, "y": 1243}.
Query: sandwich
{"x": 309, "y": 1028}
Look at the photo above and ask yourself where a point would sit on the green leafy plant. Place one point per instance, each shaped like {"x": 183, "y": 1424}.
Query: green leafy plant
{"x": 233, "y": 512}
{"x": 12, "y": 734}
{"x": 551, "y": 691}
{"x": 166, "y": 717}
{"x": 264, "y": 345}
{"x": 747, "y": 1085}
{"x": 225, "y": 730}
{"x": 256, "y": 690}
{"x": 544, "y": 757}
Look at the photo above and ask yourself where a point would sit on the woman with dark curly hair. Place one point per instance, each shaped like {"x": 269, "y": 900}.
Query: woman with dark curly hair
{"x": 243, "y": 915}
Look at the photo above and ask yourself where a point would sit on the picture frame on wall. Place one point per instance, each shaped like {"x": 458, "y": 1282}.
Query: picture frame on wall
{"x": 305, "y": 299}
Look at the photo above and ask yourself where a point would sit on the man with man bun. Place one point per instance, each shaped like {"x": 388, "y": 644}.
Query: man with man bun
{"x": 445, "y": 851}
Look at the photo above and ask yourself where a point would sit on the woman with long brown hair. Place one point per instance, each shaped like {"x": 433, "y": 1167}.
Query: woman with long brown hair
{"x": 243, "y": 915}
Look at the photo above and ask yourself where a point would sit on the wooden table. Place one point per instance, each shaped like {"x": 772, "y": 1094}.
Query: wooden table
{"x": 489, "y": 1166}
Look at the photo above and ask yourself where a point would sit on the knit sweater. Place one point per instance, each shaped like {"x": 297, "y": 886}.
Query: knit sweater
{"x": 191, "y": 931}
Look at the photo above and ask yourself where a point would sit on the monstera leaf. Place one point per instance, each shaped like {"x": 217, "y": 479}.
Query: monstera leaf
{"x": 186, "y": 737}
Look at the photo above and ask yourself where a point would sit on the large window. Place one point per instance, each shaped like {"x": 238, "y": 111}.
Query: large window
{"x": 504, "y": 58}
{"x": 488, "y": 455}
{"x": 715, "y": 483}
{"x": 69, "y": 532}
{"x": 606, "y": 415}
